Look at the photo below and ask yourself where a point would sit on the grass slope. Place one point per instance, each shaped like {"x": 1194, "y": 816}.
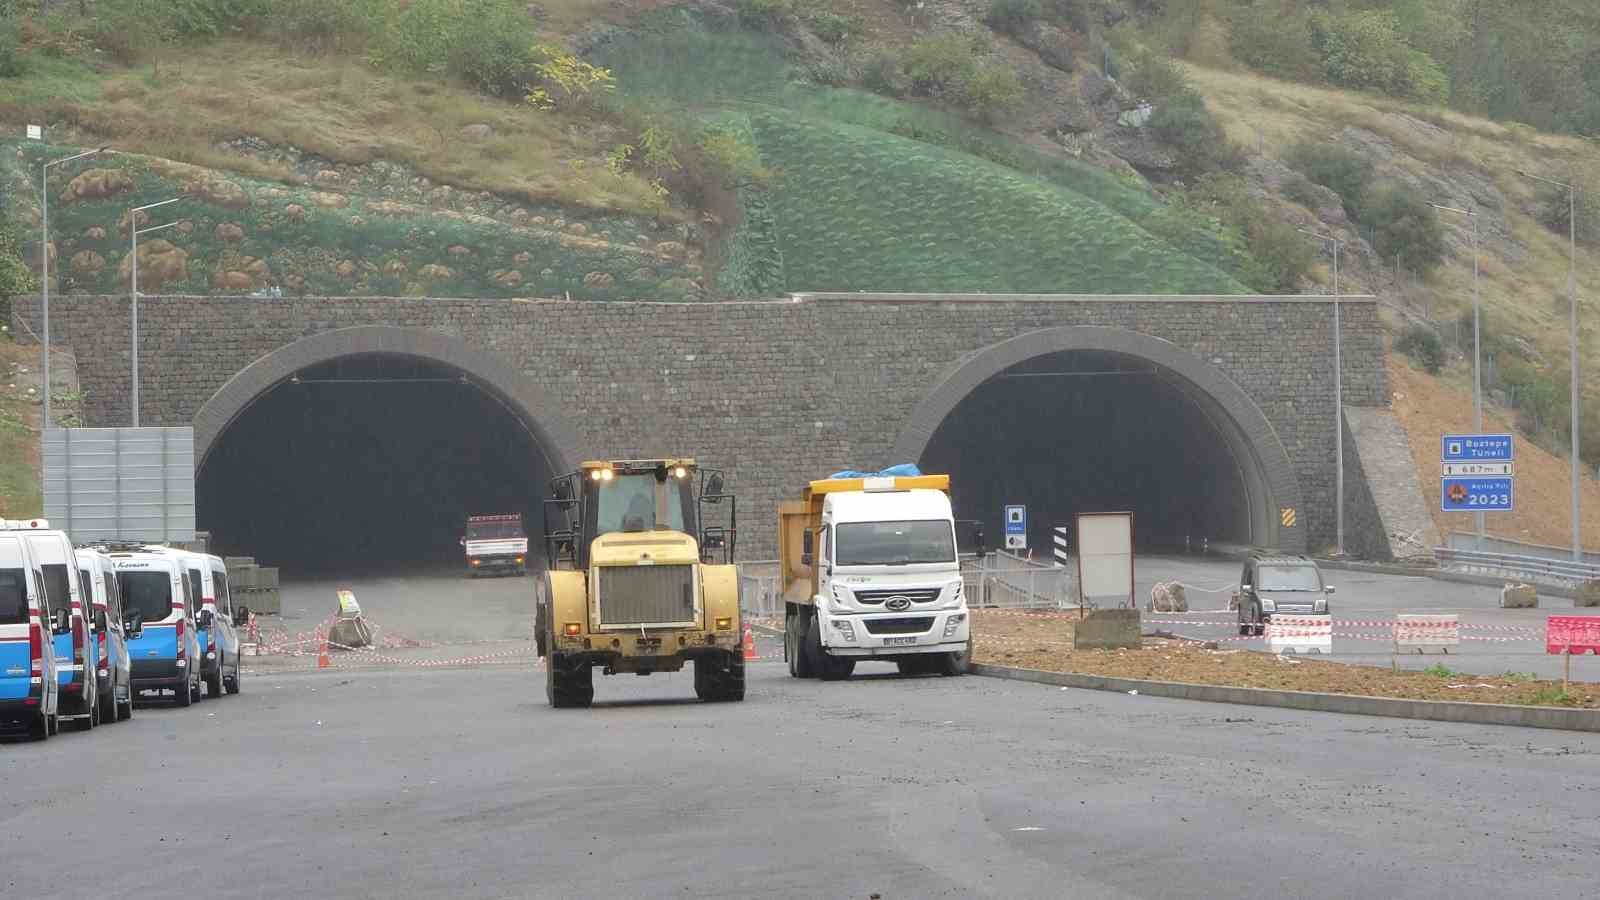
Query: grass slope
{"x": 859, "y": 209}
{"x": 350, "y": 239}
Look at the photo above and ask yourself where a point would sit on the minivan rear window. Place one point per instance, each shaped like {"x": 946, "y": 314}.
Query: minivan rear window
{"x": 147, "y": 593}
{"x": 13, "y": 597}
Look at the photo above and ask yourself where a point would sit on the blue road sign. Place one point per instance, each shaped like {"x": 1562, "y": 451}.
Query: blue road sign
{"x": 1475, "y": 448}
{"x": 1475, "y": 494}
{"x": 1016, "y": 520}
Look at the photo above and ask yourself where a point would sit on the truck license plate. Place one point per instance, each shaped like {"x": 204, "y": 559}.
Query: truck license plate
{"x": 899, "y": 641}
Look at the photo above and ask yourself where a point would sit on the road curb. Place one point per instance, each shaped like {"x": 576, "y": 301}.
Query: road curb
{"x": 1432, "y": 710}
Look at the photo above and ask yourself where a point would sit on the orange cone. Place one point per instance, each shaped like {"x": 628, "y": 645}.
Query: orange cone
{"x": 323, "y": 661}
{"x": 749, "y": 645}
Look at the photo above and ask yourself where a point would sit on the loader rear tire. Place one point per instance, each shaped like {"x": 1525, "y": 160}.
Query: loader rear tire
{"x": 569, "y": 684}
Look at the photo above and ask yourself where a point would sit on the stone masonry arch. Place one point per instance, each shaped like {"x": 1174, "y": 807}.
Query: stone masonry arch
{"x": 535, "y": 408}
{"x": 1264, "y": 463}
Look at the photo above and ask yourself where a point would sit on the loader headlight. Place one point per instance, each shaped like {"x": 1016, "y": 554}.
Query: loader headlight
{"x": 724, "y": 623}
{"x": 680, "y": 473}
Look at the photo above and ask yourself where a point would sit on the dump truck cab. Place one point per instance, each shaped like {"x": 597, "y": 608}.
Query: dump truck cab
{"x": 631, "y": 584}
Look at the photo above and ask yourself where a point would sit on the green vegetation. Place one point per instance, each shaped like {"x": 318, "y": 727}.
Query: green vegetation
{"x": 1534, "y": 61}
{"x": 1440, "y": 670}
{"x": 1423, "y": 345}
{"x": 861, "y": 210}
{"x": 1402, "y": 225}
{"x": 1274, "y": 258}
{"x": 1554, "y": 696}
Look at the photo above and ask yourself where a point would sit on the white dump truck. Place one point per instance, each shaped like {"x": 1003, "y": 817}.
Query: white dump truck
{"x": 870, "y": 571}
{"x": 496, "y": 543}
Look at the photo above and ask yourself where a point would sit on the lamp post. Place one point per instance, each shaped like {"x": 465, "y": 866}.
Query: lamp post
{"x": 44, "y": 260}
{"x": 1338, "y": 393}
{"x": 133, "y": 263}
{"x": 1477, "y": 345}
{"x": 1572, "y": 349}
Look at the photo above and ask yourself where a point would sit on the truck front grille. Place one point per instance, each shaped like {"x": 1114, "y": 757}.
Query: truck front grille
{"x": 915, "y": 595}
{"x": 902, "y": 625}
{"x": 637, "y": 595}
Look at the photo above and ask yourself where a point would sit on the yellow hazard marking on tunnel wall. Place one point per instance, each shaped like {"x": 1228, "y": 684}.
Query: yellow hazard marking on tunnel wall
{"x": 1288, "y": 516}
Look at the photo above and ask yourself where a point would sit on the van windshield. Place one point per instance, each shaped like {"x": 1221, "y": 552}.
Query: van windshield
{"x": 895, "y": 543}
{"x": 13, "y": 597}
{"x": 57, "y": 586}
{"x": 147, "y": 593}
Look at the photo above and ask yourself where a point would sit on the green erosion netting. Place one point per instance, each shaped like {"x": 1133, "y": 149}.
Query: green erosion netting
{"x": 877, "y": 194}
{"x": 863, "y": 210}
{"x": 301, "y": 239}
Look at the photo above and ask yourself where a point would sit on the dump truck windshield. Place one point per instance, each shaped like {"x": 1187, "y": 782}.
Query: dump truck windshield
{"x": 628, "y": 503}
{"x": 895, "y": 543}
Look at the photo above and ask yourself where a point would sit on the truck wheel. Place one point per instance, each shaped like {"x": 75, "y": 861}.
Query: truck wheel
{"x": 957, "y": 663}
{"x": 568, "y": 685}
{"x": 828, "y": 668}
{"x": 912, "y": 665}
{"x": 541, "y": 621}
{"x": 794, "y": 638}
{"x": 719, "y": 679}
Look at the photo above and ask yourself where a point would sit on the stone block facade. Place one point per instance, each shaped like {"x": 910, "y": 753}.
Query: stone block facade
{"x": 775, "y": 392}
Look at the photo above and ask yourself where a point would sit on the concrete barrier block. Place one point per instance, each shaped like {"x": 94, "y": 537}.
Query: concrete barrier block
{"x": 1107, "y": 629}
{"x": 1519, "y": 596}
{"x": 1588, "y": 594}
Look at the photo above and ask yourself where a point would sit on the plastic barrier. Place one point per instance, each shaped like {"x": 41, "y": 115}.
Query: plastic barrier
{"x": 1418, "y": 632}
{"x": 1576, "y": 635}
{"x": 1300, "y": 634}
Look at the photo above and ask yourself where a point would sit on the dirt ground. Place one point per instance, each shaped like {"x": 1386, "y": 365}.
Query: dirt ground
{"x": 1044, "y": 641}
{"x": 1429, "y": 407}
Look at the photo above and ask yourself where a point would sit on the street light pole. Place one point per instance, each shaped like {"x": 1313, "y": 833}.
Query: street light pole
{"x": 133, "y": 269}
{"x": 44, "y": 261}
{"x": 1477, "y": 345}
{"x": 1338, "y": 393}
{"x": 1572, "y": 350}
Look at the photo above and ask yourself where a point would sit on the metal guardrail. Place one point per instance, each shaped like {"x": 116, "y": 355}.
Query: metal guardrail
{"x": 1528, "y": 568}
{"x": 1007, "y": 581}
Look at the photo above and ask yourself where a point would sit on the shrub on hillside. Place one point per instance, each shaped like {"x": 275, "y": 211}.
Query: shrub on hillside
{"x": 1278, "y": 258}
{"x": 317, "y": 25}
{"x": 832, "y": 27}
{"x": 939, "y": 65}
{"x": 1555, "y": 210}
{"x": 993, "y": 91}
{"x": 1301, "y": 190}
{"x": 12, "y": 60}
{"x": 1183, "y": 123}
{"x": 1404, "y": 226}
{"x": 1273, "y": 45}
{"x": 762, "y": 12}
{"x": 883, "y": 73}
{"x": 1423, "y": 346}
{"x": 493, "y": 49}
{"x": 1154, "y": 77}
{"x": 1345, "y": 172}
{"x": 1366, "y": 51}
{"x": 1013, "y": 16}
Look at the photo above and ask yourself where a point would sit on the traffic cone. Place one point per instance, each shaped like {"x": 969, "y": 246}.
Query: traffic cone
{"x": 749, "y": 645}
{"x": 323, "y": 661}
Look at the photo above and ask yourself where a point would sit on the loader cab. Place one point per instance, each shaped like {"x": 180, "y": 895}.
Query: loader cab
{"x": 637, "y": 497}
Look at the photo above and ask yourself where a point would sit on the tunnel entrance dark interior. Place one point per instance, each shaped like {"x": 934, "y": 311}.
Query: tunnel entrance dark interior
{"x": 369, "y": 462}
{"x": 1092, "y": 431}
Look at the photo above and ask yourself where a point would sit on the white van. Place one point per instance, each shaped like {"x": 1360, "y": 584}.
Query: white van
{"x": 76, "y": 651}
{"x": 29, "y": 692}
{"x": 216, "y": 619}
{"x": 161, "y": 607}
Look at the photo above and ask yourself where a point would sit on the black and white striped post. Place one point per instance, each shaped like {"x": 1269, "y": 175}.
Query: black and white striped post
{"x": 1060, "y": 549}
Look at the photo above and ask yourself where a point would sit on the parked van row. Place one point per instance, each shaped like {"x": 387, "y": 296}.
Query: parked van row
{"x": 87, "y": 630}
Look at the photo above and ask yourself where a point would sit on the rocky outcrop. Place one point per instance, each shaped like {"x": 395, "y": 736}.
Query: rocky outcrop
{"x": 161, "y": 263}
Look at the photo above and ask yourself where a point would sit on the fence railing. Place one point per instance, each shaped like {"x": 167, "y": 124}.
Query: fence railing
{"x": 1529, "y": 568}
{"x": 760, "y": 590}
{"x": 1007, "y": 581}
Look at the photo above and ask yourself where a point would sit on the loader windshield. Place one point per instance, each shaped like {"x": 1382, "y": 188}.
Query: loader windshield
{"x": 641, "y": 503}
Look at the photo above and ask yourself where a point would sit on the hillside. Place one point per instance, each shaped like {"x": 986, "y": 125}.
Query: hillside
{"x": 720, "y": 149}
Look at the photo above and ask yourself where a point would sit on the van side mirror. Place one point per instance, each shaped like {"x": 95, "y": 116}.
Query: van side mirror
{"x": 61, "y": 621}
{"x": 808, "y": 542}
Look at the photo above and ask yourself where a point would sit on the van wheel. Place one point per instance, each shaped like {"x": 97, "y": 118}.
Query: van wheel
{"x": 214, "y": 681}
{"x": 231, "y": 685}
{"x": 828, "y": 668}
{"x": 108, "y": 706}
{"x": 183, "y": 695}
{"x": 195, "y": 690}
{"x": 125, "y": 708}
{"x": 39, "y": 730}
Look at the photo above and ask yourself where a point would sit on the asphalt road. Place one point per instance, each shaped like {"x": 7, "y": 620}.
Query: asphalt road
{"x": 1494, "y": 640}
{"x": 463, "y": 784}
